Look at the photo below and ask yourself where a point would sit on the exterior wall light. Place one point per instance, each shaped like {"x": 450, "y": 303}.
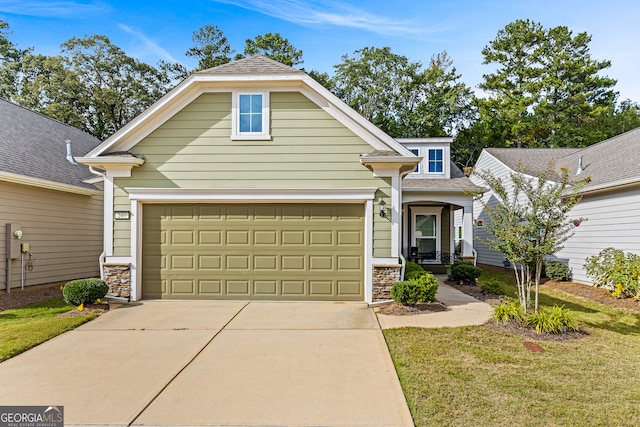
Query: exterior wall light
{"x": 383, "y": 208}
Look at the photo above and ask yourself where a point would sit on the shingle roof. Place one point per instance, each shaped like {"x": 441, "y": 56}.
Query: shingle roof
{"x": 252, "y": 65}
{"x": 607, "y": 162}
{"x": 458, "y": 181}
{"x": 33, "y": 145}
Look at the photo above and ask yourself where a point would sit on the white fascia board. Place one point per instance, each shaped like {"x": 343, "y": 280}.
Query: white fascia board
{"x": 240, "y": 195}
{"x": 49, "y": 185}
{"x": 433, "y": 140}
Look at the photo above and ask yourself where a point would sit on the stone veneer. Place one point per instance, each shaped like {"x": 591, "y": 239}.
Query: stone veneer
{"x": 118, "y": 277}
{"x": 384, "y": 276}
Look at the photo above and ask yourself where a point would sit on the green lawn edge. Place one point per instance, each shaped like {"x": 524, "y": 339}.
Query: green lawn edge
{"x": 26, "y": 327}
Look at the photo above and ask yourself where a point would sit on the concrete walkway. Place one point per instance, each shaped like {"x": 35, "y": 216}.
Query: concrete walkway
{"x": 463, "y": 310}
{"x": 213, "y": 363}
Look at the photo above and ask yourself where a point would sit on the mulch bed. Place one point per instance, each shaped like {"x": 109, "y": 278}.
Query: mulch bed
{"x": 39, "y": 293}
{"x": 395, "y": 309}
{"x": 30, "y": 295}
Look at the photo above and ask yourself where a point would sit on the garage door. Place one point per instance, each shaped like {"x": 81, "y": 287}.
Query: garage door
{"x": 261, "y": 251}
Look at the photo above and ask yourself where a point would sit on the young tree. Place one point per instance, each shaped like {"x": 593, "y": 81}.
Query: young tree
{"x": 273, "y": 46}
{"x": 530, "y": 221}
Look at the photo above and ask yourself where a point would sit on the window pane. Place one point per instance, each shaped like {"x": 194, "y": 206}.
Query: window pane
{"x": 256, "y": 122}
{"x": 256, "y": 103}
{"x": 425, "y": 225}
{"x": 245, "y": 103}
{"x": 245, "y": 123}
{"x": 427, "y": 246}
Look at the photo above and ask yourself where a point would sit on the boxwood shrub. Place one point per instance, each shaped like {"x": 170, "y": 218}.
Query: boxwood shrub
{"x": 465, "y": 272}
{"x": 556, "y": 270}
{"x": 84, "y": 291}
{"x": 411, "y": 292}
{"x": 413, "y": 270}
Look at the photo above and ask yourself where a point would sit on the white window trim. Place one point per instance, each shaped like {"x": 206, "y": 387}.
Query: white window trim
{"x": 426, "y": 161}
{"x": 423, "y": 166}
{"x": 235, "y": 118}
{"x": 437, "y": 211}
{"x": 419, "y": 165}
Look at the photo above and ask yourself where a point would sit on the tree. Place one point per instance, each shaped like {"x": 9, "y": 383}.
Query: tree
{"x": 546, "y": 89}
{"x": 439, "y": 103}
{"x": 10, "y": 57}
{"x": 515, "y": 86}
{"x": 530, "y": 221}
{"x": 211, "y": 47}
{"x": 115, "y": 87}
{"x": 401, "y": 98}
{"x": 273, "y": 46}
{"x": 50, "y": 88}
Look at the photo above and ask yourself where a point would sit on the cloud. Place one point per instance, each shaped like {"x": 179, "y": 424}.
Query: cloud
{"x": 341, "y": 14}
{"x": 54, "y": 8}
{"x": 150, "y": 45}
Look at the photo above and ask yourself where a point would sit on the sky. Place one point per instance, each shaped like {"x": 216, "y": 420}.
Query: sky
{"x": 327, "y": 30}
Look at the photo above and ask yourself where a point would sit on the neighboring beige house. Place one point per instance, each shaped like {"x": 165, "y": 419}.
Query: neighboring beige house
{"x": 610, "y": 200}
{"x": 252, "y": 181}
{"x": 50, "y": 215}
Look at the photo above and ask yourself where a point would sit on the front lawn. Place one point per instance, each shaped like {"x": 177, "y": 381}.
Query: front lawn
{"x": 25, "y": 327}
{"x": 478, "y": 376}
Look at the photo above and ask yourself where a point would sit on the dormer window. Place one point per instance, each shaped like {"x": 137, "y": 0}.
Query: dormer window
{"x": 417, "y": 153}
{"x": 250, "y": 116}
{"x": 435, "y": 160}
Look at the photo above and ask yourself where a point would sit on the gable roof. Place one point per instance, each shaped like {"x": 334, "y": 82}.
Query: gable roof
{"x": 253, "y": 72}
{"x": 33, "y": 146}
{"x": 610, "y": 163}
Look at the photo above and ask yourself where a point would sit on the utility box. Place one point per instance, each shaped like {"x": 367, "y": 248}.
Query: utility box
{"x": 14, "y": 236}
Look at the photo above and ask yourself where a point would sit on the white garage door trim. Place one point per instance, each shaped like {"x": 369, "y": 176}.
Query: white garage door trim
{"x": 140, "y": 196}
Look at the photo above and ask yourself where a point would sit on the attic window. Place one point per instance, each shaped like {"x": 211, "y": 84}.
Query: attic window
{"x": 250, "y": 118}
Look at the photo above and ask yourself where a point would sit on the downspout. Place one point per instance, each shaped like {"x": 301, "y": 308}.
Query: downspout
{"x": 103, "y": 254}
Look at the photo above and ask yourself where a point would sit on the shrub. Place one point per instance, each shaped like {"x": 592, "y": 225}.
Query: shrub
{"x": 556, "y": 270}
{"x": 84, "y": 291}
{"x": 617, "y": 271}
{"x": 493, "y": 287}
{"x": 465, "y": 272}
{"x": 554, "y": 320}
{"x": 411, "y": 292}
{"x": 509, "y": 311}
{"x": 413, "y": 270}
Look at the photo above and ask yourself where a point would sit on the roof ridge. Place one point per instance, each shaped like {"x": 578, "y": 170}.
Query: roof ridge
{"x": 249, "y": 65}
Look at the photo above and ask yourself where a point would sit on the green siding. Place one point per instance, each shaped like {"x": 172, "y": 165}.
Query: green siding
{"x": 309, "y": 149}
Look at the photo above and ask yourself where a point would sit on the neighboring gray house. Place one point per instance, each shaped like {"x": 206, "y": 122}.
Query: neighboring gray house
{"x": 50, "y": 208}
{"x": 252, "y": 181}
{"x": 610, "y": 200}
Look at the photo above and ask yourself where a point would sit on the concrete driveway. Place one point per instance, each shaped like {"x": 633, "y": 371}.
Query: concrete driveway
{"x": 201, "y": 363}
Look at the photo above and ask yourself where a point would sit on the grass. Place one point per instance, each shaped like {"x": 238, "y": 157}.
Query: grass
{"x": 25, "y": 327}
{"x": 478, "y": 376}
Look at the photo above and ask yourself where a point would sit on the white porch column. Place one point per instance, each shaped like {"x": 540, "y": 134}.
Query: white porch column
{"x": 396, "y": 218}
{"x": 467, "y": 230}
